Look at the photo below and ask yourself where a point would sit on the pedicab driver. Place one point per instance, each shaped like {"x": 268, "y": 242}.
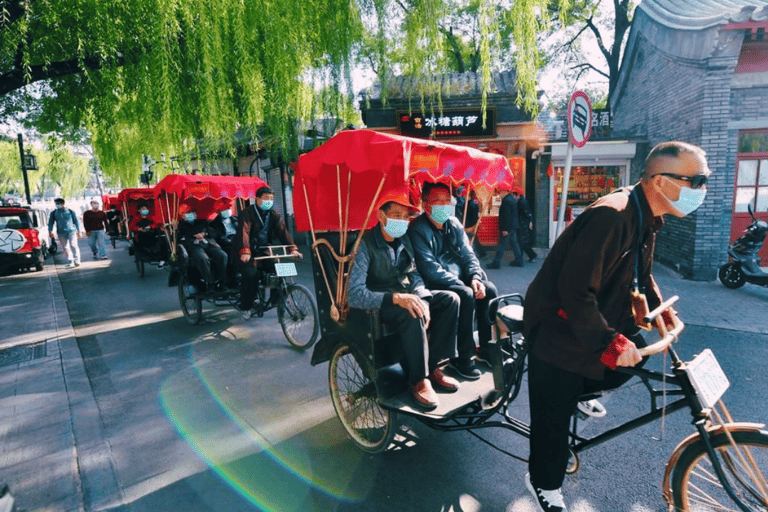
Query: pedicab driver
{"x": 446, "y": 261}
{"x": 384, "y": 277}
{"x": 260, "y": 225}
{"x": 579, "y": 308}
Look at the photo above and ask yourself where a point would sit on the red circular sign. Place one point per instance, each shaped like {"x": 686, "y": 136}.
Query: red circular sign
{"x": 579, "y": 118}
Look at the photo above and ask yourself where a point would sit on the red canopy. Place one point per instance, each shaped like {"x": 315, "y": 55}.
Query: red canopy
{"x": 360, "y": 160}
{"x": 201, "y": 192}
{"x": 129, "y": 199}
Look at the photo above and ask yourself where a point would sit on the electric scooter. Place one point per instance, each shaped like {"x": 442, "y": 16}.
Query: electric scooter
{"x": 743, "y": 264}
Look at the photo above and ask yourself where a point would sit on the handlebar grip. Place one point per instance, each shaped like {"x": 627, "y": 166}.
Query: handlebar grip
{"x": 663, "y": 343}
{"x": 650, "y": 317}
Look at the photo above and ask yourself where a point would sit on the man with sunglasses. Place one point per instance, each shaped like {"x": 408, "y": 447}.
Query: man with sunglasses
{"x": 579, "y": 318}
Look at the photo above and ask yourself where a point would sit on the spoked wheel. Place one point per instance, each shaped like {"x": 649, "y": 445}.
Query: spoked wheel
{"x": 140, "y": 265}
{"x": 732, "y": 276}
{"x": 696, "y": 488}
{"x": 297, "y": 314}
{"x": 191, "y": 304}
{"x": 355, "y": 399}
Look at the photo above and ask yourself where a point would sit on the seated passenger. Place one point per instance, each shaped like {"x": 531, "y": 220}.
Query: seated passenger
{"x": 114, "y": 218}
{"x": 148, "y": 236}
{"x": 223, "y": 228}
{"x": 446, "y": 261}
{"x": 202, "y": 250}
{"x": 259, "y": 226}
{"x": 384, "y": 277}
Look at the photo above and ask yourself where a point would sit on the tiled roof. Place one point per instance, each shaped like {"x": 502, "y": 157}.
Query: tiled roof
{"x": 452, "y": 85}
{"x": 701, "y": 14}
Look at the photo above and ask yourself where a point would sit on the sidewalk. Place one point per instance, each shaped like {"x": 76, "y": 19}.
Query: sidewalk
{"x": 49, "y": 414}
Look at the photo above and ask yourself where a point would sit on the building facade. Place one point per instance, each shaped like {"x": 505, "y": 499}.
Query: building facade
{"x": 698, "y": 72}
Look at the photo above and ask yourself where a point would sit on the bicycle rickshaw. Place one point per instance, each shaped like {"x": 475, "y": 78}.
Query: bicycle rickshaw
{"x": 296, "y": 309}
{"x": 149, "y": 250}
{"x": 116, "y": 231}
{"x": 721, "y": 466}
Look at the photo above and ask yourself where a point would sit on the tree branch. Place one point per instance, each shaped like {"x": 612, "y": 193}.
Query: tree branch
{"x": 599, "y": 38}
{"x": 590, "y": 66}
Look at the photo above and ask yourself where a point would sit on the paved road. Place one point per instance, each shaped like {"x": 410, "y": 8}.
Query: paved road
{"x": 137, "y": 410}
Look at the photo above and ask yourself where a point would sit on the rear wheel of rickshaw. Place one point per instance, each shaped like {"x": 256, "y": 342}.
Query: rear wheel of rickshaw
{"x": 191, "y": 304}
{"x": 355, "y": 399}
{"x": 297, "y": 314}
{"x": 140, "y": 265}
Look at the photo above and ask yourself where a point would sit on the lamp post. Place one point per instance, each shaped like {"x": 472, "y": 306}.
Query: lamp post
{"x": 28, "y": 162}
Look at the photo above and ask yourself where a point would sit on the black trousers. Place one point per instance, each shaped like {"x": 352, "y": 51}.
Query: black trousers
{"x": 208, "y": 255}
{"x": 553, "y": 394}
{"x": 472, "y": 311}
{"x": 250, "y": 275}
{"x": 421, "y": 353}
{"x": 525, "y": 238}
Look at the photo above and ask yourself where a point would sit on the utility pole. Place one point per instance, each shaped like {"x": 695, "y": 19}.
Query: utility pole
{"x": 24, "y": 170}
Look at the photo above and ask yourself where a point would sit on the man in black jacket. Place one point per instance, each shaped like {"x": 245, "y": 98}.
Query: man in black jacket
{"x": 446, "y": 261}
{"x": 202, "y": 250}
{"x": 508, "y": 225}
{"x": 525, "y": 224}
{"x": 260, "y": 226}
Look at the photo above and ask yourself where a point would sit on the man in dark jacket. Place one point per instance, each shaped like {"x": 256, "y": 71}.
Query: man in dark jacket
{"x": 446, "y": 261}
{"x": 202, "y": 250}
{"x": 223, "y": 228}
{"x": 468, "y": 214}
{"x": 525, "y": 224}
{"x": 508, "y": 225}
{"x": 260, "y": 226}
{"x": 384, "y": 277}
{"x": 579, "y": 317}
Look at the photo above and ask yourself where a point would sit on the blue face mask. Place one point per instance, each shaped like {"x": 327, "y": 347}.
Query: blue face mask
{"x": 145, "y": 212}
{"x": 190, "y": 217}
{"x": 266, "y": 205}
{"x": 690, "y": 199}
{"x": 441, "y": 212}
{"x": 396, "y": 227}
{"x": 225, "y": 214}
{"x": 59, "y": 206}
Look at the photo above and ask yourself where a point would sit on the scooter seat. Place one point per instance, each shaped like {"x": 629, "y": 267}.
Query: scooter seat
{"x": 512, "y": 316}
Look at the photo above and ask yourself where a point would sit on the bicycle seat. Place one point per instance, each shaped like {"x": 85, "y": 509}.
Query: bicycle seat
{"x": 512, "y": 316}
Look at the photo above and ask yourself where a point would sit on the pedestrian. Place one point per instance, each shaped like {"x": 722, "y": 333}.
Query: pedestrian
{"x": 67, "y": 231}
{"x": 581, "y": 308}
{"x": 524, "y": 223}
{"x": 508, "y": 229}
{"x": 96, "y": 225}
{"x": 471, "y": 220}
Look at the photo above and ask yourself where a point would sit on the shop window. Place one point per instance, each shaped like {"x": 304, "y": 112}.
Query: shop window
{"x": 753, "y": 142}
{"x": 587, "y": 183}
{"x": 751, "y": 185}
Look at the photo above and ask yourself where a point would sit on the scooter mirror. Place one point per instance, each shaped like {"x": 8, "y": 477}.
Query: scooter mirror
{"x": 749, "y": 209}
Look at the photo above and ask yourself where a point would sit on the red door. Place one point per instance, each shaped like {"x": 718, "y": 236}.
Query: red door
{"x": 751, "y": 189}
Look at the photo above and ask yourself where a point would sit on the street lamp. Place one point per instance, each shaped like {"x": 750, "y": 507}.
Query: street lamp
{"x": 28, "y": 162}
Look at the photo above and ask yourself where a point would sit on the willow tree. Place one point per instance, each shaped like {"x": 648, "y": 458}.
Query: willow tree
{"x": 159, "y": 76}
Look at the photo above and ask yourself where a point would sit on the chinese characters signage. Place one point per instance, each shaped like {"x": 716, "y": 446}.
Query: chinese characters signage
{"x": 556, "y": 126}
{"x": 449, "y": 123}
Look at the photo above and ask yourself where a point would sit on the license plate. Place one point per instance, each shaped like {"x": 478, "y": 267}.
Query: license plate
{"x": 285, "y": 269}
{"x": 707, "y": 378}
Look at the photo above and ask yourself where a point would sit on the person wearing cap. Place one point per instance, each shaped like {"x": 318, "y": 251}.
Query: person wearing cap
{"x": 446, "y": 261}
{"x": 580, "y": 308}
{"x": 95, "y": 225}
{"x": 384, "y": 277}
{"x": 260, "y": 226}
{"x": 202, "y": 250}
{"x": 525, "y": 224}
{"x": 508, "y": 226}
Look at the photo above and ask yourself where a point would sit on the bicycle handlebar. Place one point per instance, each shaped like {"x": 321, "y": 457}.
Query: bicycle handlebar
{"x": 283, "y": 250}
{"x": 667, "y": 336}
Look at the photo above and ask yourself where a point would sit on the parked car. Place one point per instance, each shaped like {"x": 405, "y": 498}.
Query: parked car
{"x": 40, "y": 224}
{"x": 20, "y": 245}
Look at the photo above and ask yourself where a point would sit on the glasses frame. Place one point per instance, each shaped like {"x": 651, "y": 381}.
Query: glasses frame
{"x": 696, "y": 181}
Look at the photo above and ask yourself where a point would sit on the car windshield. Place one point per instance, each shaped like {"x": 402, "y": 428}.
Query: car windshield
{"x": 14, "y": 221}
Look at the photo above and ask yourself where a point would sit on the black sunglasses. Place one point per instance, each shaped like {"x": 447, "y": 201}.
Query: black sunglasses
{"x": 695, "y": 181}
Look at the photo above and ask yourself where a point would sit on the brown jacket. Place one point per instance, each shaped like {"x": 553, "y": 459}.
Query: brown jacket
{"x": 251, "y": 223}
{"x": 580, "y": 299}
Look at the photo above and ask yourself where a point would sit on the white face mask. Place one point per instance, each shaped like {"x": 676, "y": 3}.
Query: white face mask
{"x": 689, "y": 200}
{"x": 396, "y": 227}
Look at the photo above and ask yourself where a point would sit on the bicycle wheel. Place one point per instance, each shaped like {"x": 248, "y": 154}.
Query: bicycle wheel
{"x": 696, "y": 488}
{"x": 298, "y": 316}
{"x": 191, "y": 304}
{"x": 355, "y": 399}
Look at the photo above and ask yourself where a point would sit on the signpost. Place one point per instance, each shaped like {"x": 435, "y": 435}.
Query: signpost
{"x": 579, "y": 130}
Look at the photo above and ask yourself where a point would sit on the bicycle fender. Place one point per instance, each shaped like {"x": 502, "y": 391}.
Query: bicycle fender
{"x": 666, "y": 487}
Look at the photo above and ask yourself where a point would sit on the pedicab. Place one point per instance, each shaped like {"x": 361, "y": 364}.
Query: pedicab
{"x": 721, "y": 466}
{"x": 296, "y": 309}
{"x": 116, "y": 231}
{"x": 145, "y": 242}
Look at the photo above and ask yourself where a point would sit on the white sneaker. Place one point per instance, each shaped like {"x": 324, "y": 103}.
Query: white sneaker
{"x": 592, "y": 408}
{"x": 69, "y": 265}
{"x": 547, "y": 501}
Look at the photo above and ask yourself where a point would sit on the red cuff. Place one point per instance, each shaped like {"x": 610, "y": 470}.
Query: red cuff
{"x": 611, "y": 354}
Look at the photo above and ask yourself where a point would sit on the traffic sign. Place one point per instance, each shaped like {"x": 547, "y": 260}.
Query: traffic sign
{"x": 579, "y": 118}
